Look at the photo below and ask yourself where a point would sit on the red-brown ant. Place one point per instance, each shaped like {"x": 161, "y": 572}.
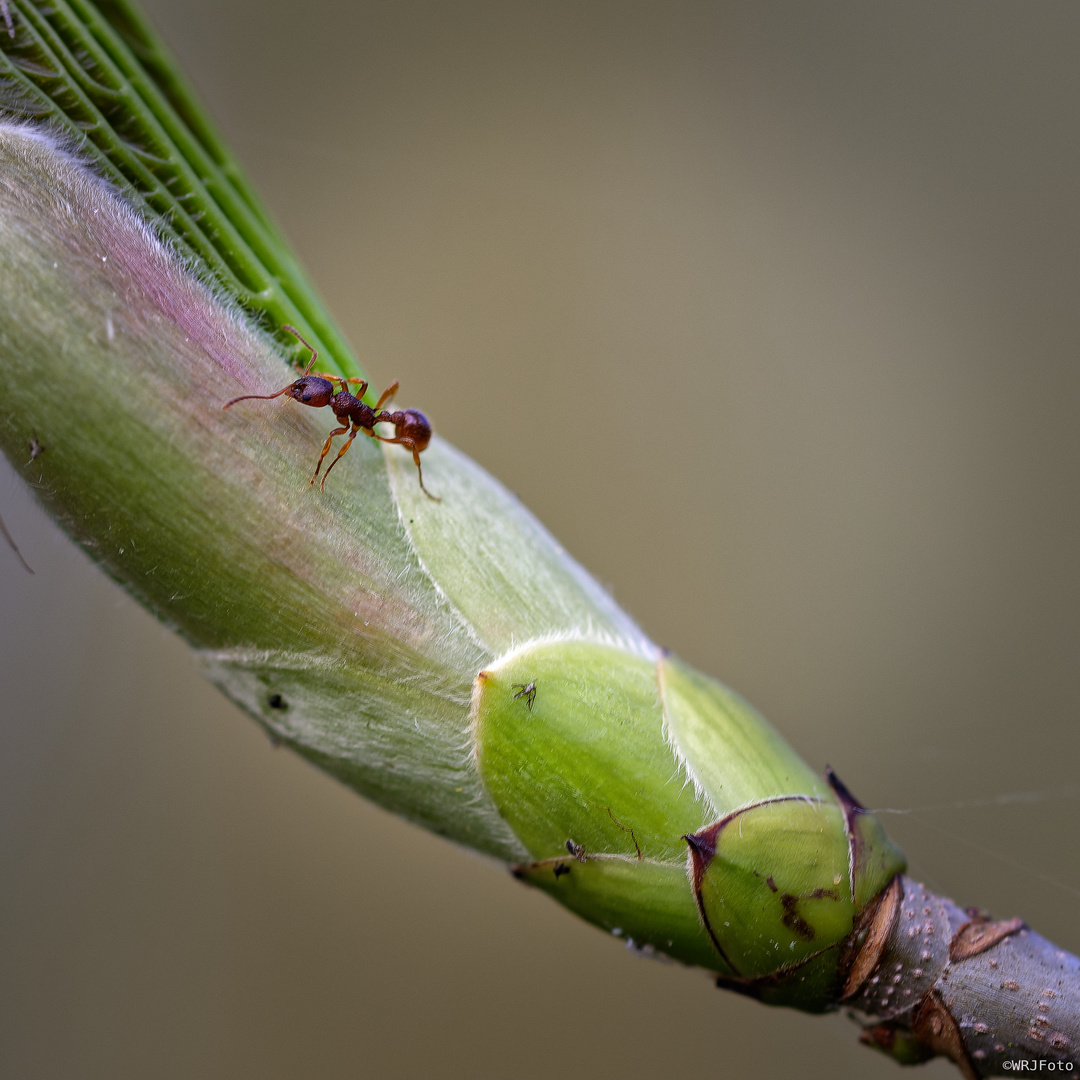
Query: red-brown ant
{"x": 411, "y": 428}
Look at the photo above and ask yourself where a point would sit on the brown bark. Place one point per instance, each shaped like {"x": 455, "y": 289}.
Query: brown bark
{"x": 934, "y": 979}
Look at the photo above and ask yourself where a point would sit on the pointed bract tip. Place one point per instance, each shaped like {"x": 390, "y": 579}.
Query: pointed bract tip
{"x": 847, "y": 800}
{"x": 702, "y": 846}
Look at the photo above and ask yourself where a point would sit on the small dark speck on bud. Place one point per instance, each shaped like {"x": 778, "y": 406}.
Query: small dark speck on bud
{"x": 560, "y": 869}
{"x": 276, "y": 701}
{"x": 526, "y": 691}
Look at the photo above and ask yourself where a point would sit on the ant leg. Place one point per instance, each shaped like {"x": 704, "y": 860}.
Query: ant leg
{"x": 341, "y": 454}
{"x": 296, "y": 333}
{"x": 416, "y": 458}
{"x": 314, "y": 356}
{"x": 326, "y": 449}
{"x": 331, "y": 376}
{"x": 359, "y": 395}
{"x": 387, "y": 394}
{"x": 420, "y": 474}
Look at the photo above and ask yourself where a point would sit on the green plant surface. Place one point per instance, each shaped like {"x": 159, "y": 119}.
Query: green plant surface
{"x": 402, "y": 474}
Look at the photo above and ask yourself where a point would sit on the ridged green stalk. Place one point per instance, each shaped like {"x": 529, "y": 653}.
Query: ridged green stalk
{"x": 446, "y": 659}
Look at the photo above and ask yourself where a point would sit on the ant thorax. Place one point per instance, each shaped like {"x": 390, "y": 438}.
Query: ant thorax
{"x": 363, "y": 416}
{"x": 342, "y": 403}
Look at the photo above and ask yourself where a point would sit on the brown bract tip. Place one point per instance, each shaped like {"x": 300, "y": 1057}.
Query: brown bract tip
{"x": 979, "y": 935}
{"x": 876, "y": 921}
{"x": 935, "y": 1027}
{"x": 898, "y": 1042}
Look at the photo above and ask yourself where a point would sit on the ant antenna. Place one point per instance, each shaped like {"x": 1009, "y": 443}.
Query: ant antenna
{"x": 296, "y": 333}
{"x": 267, "y": 397}
{"x": 260, "y": 397}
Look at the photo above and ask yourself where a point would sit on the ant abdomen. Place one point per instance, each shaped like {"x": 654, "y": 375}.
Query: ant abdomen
{"x": 411, "y": 427}
{"x": 411, "y": 430}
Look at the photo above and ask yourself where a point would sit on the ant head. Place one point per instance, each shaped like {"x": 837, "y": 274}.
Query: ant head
{"x": 412, "y": 425}
{"x": 312, "y": 390}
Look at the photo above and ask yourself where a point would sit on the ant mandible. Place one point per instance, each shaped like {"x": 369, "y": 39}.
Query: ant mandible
{"x": 411, "y": 428}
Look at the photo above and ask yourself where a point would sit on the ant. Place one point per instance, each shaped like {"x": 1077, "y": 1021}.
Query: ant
{"x": 411, "y": 428}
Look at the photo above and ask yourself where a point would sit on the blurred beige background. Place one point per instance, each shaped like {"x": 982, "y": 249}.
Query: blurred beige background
{"x": 769, "y": 310}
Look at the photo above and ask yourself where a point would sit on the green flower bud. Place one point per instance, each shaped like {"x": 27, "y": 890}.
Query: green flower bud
{"x": 609, "y": 765}
{"x": 447, "y": 659}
